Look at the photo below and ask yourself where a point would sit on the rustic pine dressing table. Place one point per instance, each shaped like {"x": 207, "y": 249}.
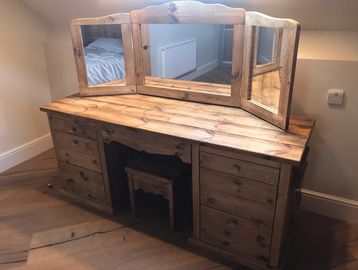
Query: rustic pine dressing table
{"x": 243, "y": 146}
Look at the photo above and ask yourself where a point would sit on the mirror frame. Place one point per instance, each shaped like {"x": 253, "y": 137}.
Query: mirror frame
{"x": 188, "y": 12}
{"x": 124, "y": 86}
{"x": 286, "y": 64}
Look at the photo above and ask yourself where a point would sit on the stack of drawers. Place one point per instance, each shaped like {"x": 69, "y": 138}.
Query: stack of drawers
{"x": 237, "y": 203}
{"x": 78, "y": 156}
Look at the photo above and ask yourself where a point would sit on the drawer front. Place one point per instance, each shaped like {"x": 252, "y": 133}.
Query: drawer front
{"x": 250, "y": 210}
{"x": 265, "y": 174}
{"x": 85, "y": 183}
{"x": 76, "y": 143}
{"x": 73, "y": 126}
{"x": 148, "y": 142}
{"x": 79, "y": 159}
{"x": 235, "y": 235}
{"x": 236, "y": 186}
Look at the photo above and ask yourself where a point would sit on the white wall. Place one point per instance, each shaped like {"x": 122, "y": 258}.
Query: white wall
{"x": 23, "y": 80}
{"x": 206, "y": 36}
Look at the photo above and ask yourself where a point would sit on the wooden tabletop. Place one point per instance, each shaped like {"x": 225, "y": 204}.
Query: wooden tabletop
{"x": 211, "y": 124}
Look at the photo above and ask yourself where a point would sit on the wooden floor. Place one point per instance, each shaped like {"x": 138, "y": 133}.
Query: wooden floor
{"x": 221, "y": 75}
{"x": 41, "y": 230}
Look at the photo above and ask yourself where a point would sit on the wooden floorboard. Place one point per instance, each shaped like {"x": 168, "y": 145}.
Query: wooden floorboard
{"x": 42, "y": 230}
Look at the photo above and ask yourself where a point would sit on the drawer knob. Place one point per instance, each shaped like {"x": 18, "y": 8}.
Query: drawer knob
{"x": 74, "y": 129}
{"x": 94, "y": 161}
{"x": 109, "y": 131}
{"x": 232, "y": 223}
{"x": 83, "y": 176}
{"x": 236, "y": 186}
{"x": 261, "y": 241}
{"x": 67, "y": 162}
{"x": 75, "y": 141}
{"x": 226, "y": 233}
{"x": 237, "y": 167}
{"x": 225, "y": 243}
{"x": 70, "y": 180}
{"x": 210, "y": 200}
{"x": 67, "y": 154}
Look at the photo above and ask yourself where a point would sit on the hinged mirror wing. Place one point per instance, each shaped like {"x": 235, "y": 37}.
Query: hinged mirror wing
{"x": 269, "y": 67}
{"x": 190, "y": 50}
{"x": 104, "y": 55}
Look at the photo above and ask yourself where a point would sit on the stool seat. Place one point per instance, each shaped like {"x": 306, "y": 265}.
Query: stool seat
{"x": 155, "y": 176}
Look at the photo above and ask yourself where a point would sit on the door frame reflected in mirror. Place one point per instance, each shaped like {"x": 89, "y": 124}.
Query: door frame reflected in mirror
{"x": 123, "y": 86}
{"x": 275, "y": 64}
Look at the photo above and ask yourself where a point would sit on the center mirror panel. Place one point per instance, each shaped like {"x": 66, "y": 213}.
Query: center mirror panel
{"x": 190, "y": 52}
{"x": 104, "y": 54}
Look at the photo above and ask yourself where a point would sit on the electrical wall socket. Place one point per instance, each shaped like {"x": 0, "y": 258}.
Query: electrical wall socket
{"x": 335, "y": 96}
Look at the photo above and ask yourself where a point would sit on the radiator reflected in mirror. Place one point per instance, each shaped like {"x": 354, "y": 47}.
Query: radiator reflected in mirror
{"x": 188, "y": 52}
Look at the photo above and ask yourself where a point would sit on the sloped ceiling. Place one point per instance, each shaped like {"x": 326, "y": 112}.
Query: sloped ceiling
{"x": 312, "y": 14}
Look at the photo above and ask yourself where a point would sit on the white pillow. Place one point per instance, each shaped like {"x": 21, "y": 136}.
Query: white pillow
{"x": 108, "y": 44}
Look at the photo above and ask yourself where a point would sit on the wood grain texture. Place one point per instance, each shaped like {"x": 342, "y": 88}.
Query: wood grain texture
{"x": 215, "y": 125}
{"x": 188, "y": 12}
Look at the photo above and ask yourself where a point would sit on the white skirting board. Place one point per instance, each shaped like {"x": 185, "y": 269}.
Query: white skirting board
{"x": 24, "y": 152}
{"x": 330, "y": 205}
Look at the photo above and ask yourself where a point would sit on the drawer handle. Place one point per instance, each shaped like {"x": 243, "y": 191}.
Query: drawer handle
{"x": 94, "y": 161}
{"x": 109, "y": 131}
{"x": 67, "y": 154}
{"x": 232, "y": 223}
{"x": 225, "y": 243}
{"x": 210, "y": 200}
{"x": 83, "y": 176}
{"x": 261, "y": 241}
{"x": 70, "y": 180}
{"x": 74, "y": 129}
{"x": 75, "y": 141}
{"x": 236, "y": 186}
{"x": 237, "y": 167}
{"x": 226, "y": 233}
{"x": 67, "y": 162}
{"x": 89, "y": 196}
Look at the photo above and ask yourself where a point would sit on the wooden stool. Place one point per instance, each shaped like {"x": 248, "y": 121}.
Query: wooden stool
{"x": 156, "y": 177}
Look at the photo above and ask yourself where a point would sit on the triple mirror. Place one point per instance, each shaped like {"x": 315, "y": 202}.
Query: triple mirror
{"x": 188, "y": 50}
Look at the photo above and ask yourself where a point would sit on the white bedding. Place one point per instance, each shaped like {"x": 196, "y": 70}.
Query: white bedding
{"x": 103, "y": 62}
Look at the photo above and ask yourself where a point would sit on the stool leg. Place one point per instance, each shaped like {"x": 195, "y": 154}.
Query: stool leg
{"x": 132, "y": 195}
{"x": 171, "y": 208}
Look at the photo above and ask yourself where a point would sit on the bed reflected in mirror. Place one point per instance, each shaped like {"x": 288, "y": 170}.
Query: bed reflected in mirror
{"x": 266, "y": 83}
{"x": 189, "y": 52}
{"x": 104, "y": 53}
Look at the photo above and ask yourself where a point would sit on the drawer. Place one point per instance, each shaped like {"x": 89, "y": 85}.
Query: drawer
{"x": 248, "y": 209}
{"x": 85, "y": 183}
{"x": 148, "y": 142}
{"x": 235, "y": 235}
{"x": 79, "y": 159}
{"x": 76, "y": 143}
{"x": 250, "y": 170}
{"x": 73, "y": 126}
{"x": 236, "y": 186}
